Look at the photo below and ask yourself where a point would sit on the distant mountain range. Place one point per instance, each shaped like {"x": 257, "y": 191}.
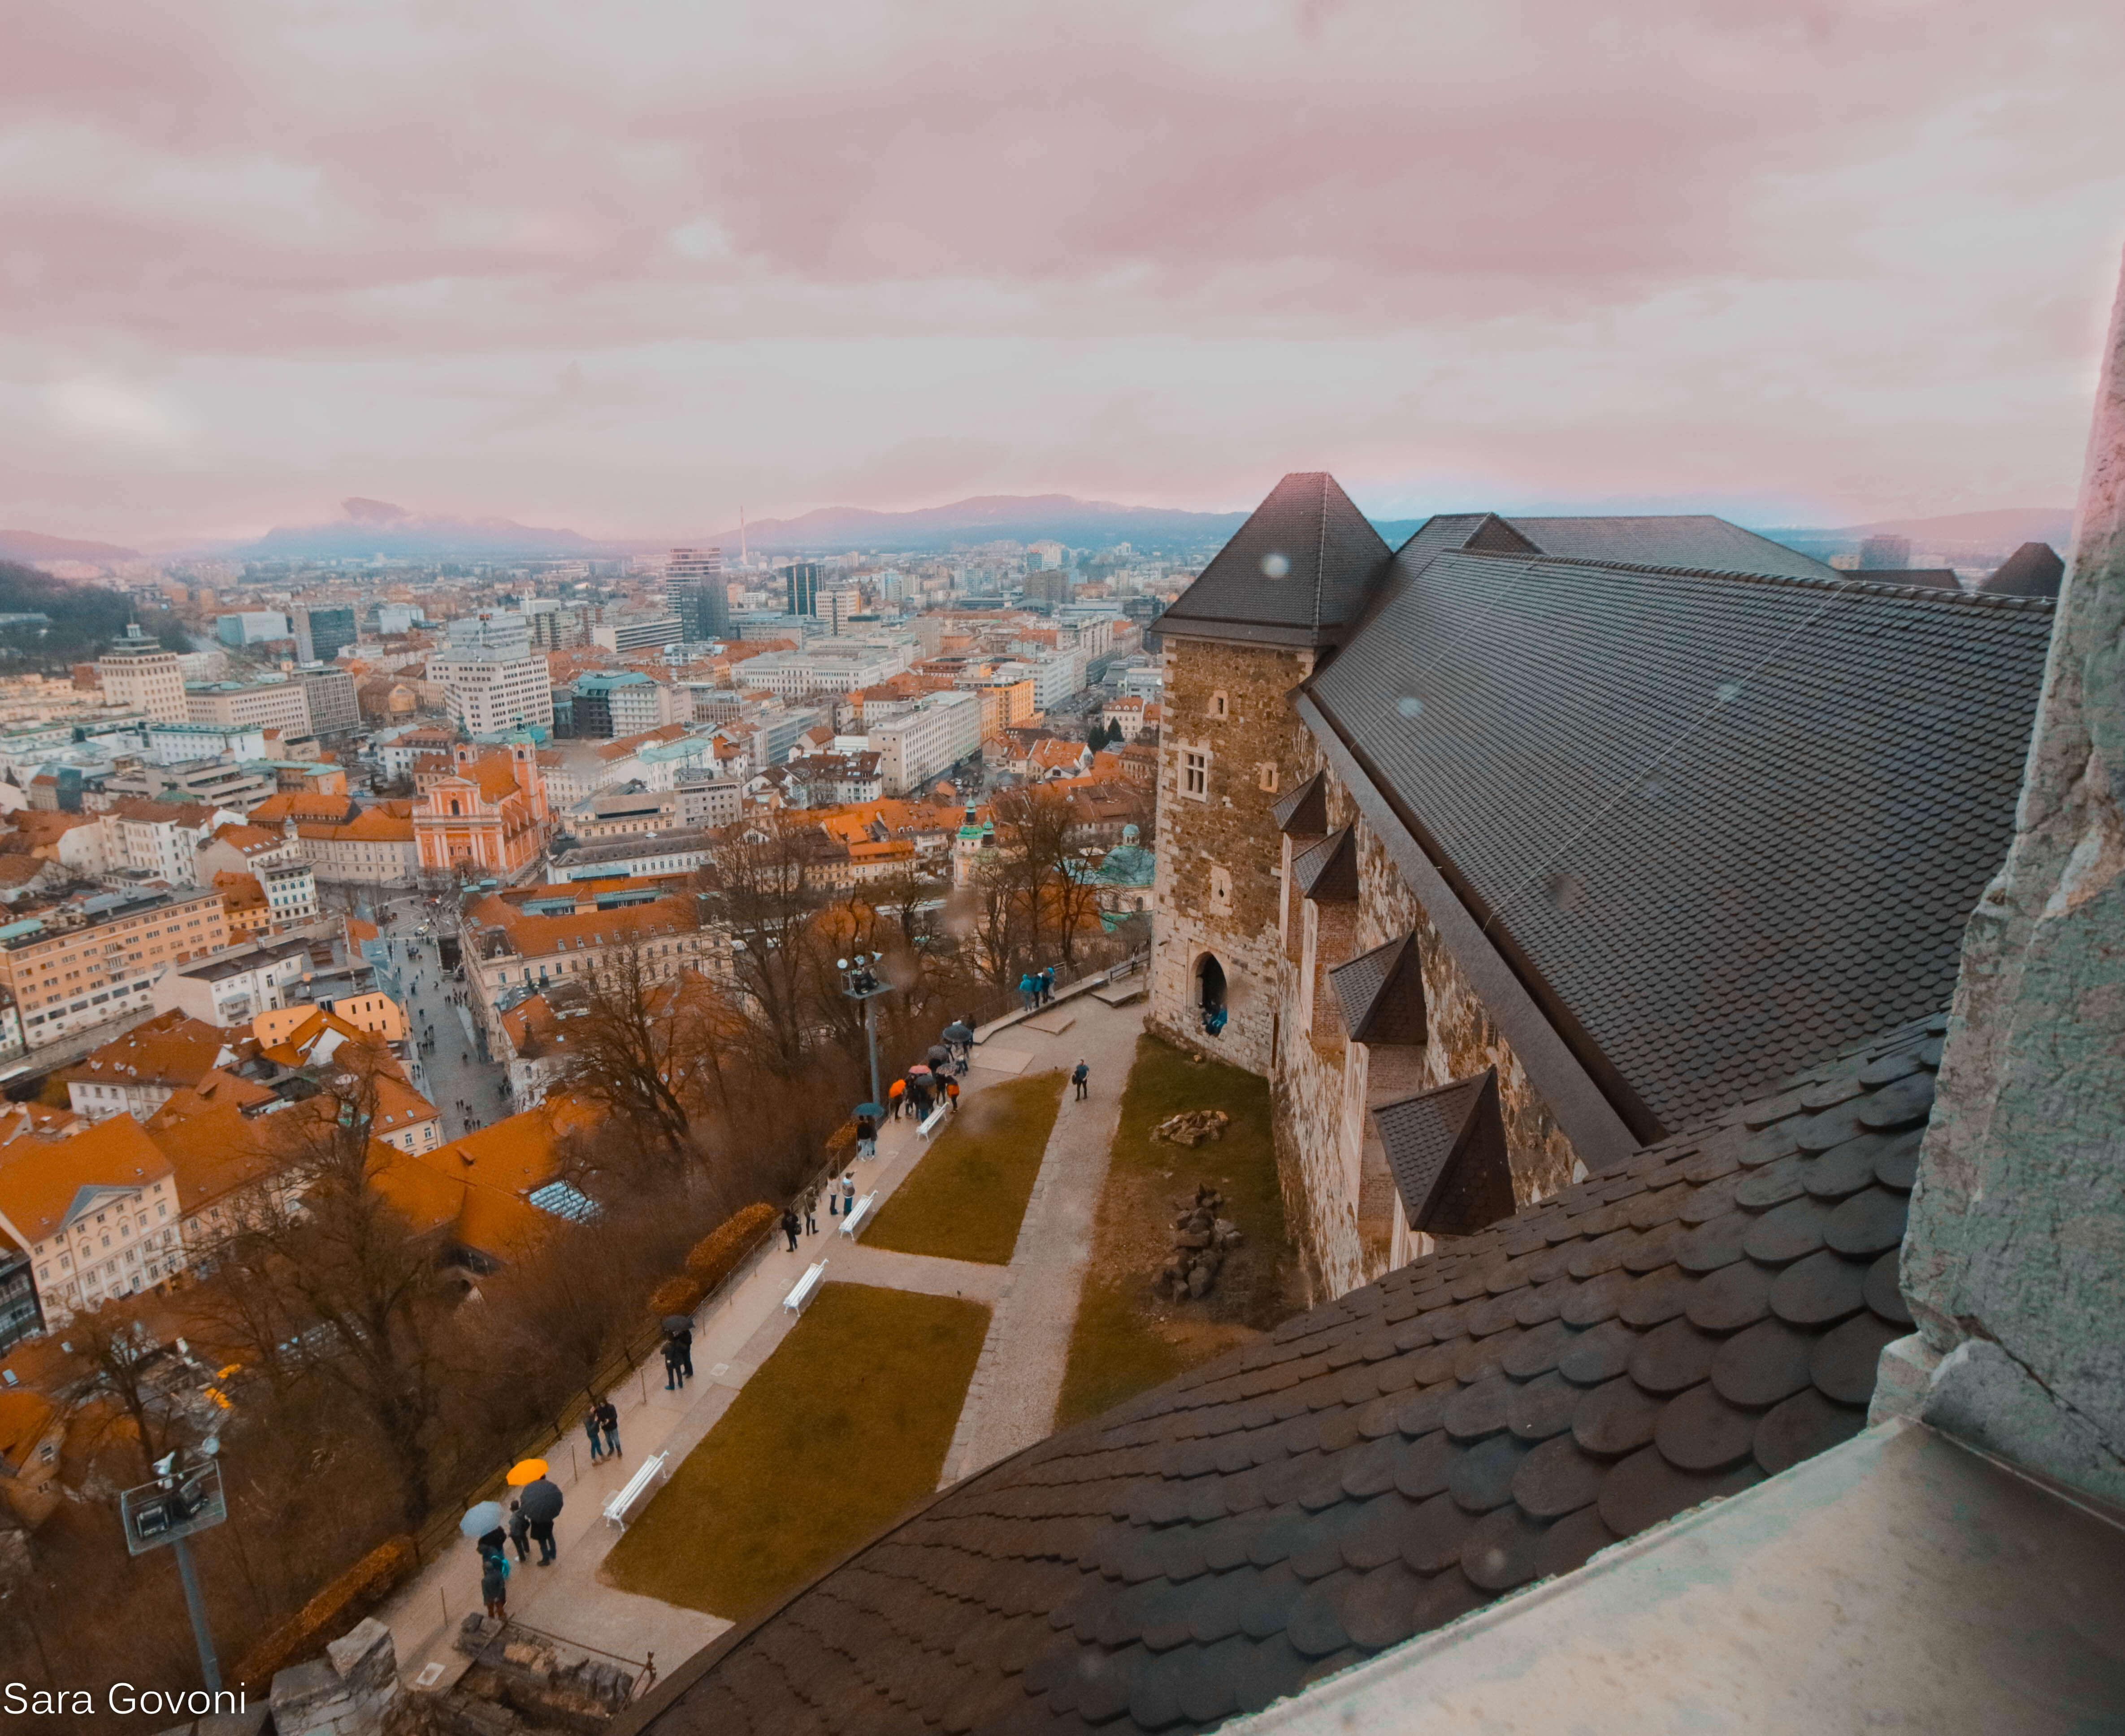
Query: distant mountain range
{"x": 368, "y": 527}
{"x": 33, "y": 549}
{"x": 987, "y": 518}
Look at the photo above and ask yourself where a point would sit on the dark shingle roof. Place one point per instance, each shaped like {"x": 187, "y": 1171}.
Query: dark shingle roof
{"x": 2034, "y": 570}
{"x": 1422, "y": 1134}
{"x": 1328, "y": 871}
{"x": 1382, "y": 994}
{"x": 1295, "y": 573}
{"x": 1727, "y": 825}
{"x": 1674, "y": 1328}
{"x": 1696, "y": 540}
{"x": 1304, "y": 812}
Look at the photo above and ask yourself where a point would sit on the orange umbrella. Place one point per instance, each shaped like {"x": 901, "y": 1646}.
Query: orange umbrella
{"x": 525, "y": 1470}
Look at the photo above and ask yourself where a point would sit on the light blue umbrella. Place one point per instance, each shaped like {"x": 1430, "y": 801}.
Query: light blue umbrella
{"x": 481, "y": 1519}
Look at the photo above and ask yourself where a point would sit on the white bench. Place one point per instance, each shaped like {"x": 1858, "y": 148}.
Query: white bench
{"x": 928, "y": 1124}
{"x": 803, "y": 1290}
{"x": 650, "y": 1477}
{"x": 858, "y": 1212}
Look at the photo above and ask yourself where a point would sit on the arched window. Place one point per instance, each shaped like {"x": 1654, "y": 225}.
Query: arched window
{"x": 454, "y": 804}
{"x": 1210, "y": 993}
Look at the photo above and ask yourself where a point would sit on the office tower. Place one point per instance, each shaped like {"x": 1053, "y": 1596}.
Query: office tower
{"x": 137, "y": 673}
{"x": 1885, "y": 554}
{"x": 493, "y": 681}
{"x": 803, "y": 580}
{"x": 699, "y": 593}
{"x": 321, "y": 633}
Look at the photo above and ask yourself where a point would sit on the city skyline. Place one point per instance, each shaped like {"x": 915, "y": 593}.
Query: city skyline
{"x": 630, "y": 276}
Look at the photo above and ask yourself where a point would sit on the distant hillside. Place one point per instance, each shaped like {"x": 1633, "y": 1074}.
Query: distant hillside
{"x": 31, "y": 547}
{"x": 377, "y": 527}
{"x": 1973, "y": 534}
{"x": 992, "y": 517}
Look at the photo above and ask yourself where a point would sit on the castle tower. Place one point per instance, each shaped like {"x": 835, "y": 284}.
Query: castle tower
{"x": 1249, "y": 630}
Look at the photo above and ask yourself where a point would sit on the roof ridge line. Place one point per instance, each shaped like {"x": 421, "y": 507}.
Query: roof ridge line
{"x": 1321, "y": 548}
{"x": 1843, "y": 582}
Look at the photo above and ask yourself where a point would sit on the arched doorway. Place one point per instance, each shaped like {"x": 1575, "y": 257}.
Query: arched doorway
{"x": 1210, "y": 993}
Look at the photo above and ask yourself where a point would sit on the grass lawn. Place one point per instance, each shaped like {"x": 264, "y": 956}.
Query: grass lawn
{"x": 844, "y": 1427}
{"x": 1127, "y": 1338}
{"x": 964, "y": 1200}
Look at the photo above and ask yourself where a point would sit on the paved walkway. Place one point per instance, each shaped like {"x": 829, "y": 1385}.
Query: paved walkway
{"x": 1011, "y": 1403}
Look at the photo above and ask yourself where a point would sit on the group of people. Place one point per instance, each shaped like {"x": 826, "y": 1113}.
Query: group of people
{"x": 678, "y": 1358}
{"x": 1038, "y": 987}
{"x": 601, "y": 1418}
{"x": 917, "y": 1094}
{"x": 802, "y": 1217}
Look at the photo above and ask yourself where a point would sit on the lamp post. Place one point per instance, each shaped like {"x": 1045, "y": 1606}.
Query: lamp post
{"x": 186, "y": 1497}
{"x": 861, "y": 983}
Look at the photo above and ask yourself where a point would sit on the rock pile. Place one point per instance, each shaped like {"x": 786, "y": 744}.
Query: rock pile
{"x": 1201, "y": 1241}
{"x": 1192, "y": 1127}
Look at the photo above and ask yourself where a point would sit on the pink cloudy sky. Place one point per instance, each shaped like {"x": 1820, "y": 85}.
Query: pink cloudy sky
{"x": 629, "y": 266}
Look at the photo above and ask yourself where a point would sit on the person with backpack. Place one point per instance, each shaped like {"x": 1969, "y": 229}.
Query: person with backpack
{"x": 494, "y": 1584}
{"x": 1078, "y": 1077}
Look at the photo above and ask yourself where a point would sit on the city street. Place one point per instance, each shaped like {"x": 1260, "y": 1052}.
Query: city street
{"x": 451, "y": 1072}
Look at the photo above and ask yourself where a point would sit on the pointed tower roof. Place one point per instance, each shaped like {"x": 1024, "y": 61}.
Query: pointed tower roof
{"x": 2034, "y": 570}
{"x": 1296, "y": 573}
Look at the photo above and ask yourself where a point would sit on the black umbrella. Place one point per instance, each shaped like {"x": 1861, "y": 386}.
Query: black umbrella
{"x": 676, "y": 1324}
{"x": 938, "y": 1055}
{"x": 957, "y": 1032}
{"x": 540, "y": 1502}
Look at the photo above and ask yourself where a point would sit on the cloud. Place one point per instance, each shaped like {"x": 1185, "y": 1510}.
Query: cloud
{"x": 1850, "y": 256}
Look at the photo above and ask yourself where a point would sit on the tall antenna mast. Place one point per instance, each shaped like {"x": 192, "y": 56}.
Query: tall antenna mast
{"x": 743, "y": 558}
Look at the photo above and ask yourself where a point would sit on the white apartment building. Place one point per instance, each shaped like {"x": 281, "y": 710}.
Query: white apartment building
{"x": 489, "y": 697}
{"x": 141, "y": 675}
{"x": 825, "y": 666}
{"x": 636, "y": 633}
{"x": 175, "y": 743}
{"x": 920, "y": 746}
{"x": 277, "y": 704}
{"x": 234, "y": 987}
{"x": 291, "y": 891}
{"x": 162, "y": 838}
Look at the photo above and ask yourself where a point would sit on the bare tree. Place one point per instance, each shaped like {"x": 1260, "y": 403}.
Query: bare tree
{"x": 649, "y": 1046}
{"x": 359, "y": 1283}
{"x": 763, "y": 886}
{"x": 121, "y": 1356}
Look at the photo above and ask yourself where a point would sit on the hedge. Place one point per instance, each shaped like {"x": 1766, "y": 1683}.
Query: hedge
{"x": 713, "y": 1258}
{"x": 679, "y": 1294}
{"x": 328, "y": 1615}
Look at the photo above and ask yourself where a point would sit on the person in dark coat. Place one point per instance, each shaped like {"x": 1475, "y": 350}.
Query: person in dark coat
{"x": 684, "y": 1338}
{"x": 608, "y": 1422}
{"x": 790, "y": 1226}
{"x": 1078, "y": 1077}
{"x": 542, "y": 1534}
{"x": 590, "y": 1430}
{"x": 670, "y": 1365}
{"x": 494, "y": 1584}
{"x": 1047, "y": 985}
{"x": 519, "y": 1530}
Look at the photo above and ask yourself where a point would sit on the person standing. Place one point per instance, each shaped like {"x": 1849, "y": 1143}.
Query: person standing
{"x": 494, "y": 1584}
{"x": 812, "y": 1212}
{"x": 1029, "y": 992}
{"x": 866, "y": 1136}
{"x": 542, "y": 1534}
{"x": 1047, "y": 985}
{"x": 519, "y": 1530}
{"x": 591, "y": 1429}
{"x": 670, "y": 1365}
{"x": 791, "y": 1227}
{"x": 1078, "y": 1078}
{"x": 952, "y": 1095}
{"x": 684, "y": 1338}
{"x": 848, "y": 1193}
{"x": 896, "y": 1094}
{"x": 608, "y": 1422}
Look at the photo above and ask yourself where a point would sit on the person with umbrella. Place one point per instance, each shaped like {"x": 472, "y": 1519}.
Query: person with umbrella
{"x": 482, "y": 1524}
{"x": 541, "y": 1502}
{"x": 679, "y": 1344}
{"x": 866, "y": 1132}
{"x": 896, "y": 1094}
{"x": 959, "y": 1035}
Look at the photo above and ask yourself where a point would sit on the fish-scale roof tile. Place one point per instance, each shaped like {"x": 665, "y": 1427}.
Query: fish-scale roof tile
{"x": 1387, "y": 1462}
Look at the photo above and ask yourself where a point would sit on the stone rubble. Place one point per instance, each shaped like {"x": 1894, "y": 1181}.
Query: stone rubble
{"x": 1192, "y": 1127}
{"x": 1201, "y": 1241}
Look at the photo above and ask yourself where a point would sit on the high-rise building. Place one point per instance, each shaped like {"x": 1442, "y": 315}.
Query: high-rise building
{"x": 1885, "y": 554}
{"x": 334, "y": 706}
{"x": 139, "y": 674}
{"x": 493, "y": 681}
{"x": 321, "y": 633}
{"x": 699, "y": 593}
{"x": 489, "y": 638}
{"x": 252, "y": 627}
{"x": 838, "y": 605}
{"x": 802, "y": 578}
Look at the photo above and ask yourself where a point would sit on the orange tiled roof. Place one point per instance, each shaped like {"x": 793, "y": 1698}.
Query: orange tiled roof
{"x": 40, "y": 1179}
{"x": 171, "y": 1048}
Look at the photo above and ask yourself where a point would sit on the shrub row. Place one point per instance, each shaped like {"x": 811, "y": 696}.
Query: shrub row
{"x": 328, "y": 1615}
